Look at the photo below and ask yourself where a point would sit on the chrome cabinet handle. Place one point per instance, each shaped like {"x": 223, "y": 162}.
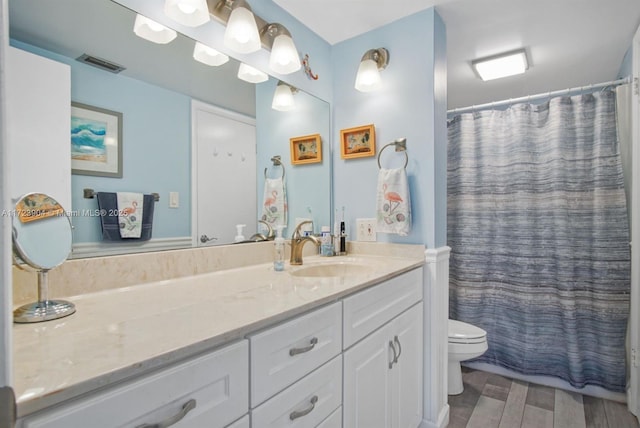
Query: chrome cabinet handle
{"x": 312, "y": 343}
{"x": 395, "y": 357}
{"x": 300, "y": 413}
{"x": 186, "y": 408}
{"x": 396, "y": 340}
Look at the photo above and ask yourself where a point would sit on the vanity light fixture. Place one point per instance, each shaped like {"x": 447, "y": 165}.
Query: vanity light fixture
{"x": 501, "y": 65}
{"x": 283, "y": 97}
{"x": 250, "y": 74}
{"x": 187, "y": 12}
{"x": 368, "y": 77}
{"x": 150, "y": 30}
{"x": 241, "y": 34}
{"x": 284, "y": 57}
{"x": 208, "y": 56}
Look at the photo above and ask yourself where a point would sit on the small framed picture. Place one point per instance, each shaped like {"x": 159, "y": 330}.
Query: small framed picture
{"x": 307, "y": 149}
{"x": 358, "y": 142}
{"x": 96, "y": 141}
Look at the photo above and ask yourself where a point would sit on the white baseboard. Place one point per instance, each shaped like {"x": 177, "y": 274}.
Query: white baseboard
{"x": 442, "y": 422}
{"x": 97, "y": 249}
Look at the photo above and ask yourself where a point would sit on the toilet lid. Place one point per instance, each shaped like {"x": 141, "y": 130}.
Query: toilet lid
{"x": 463, "y": 331}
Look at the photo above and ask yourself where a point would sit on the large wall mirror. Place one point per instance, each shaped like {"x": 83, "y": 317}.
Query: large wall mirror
{"x": 154, "y": 93}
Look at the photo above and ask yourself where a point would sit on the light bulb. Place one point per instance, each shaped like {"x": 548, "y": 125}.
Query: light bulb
{"x": 241, "y": 33}
{"x": 283, "y": 98}
{"x": 368, "y": 77}
{"x": 152, "y": 31}
{"x": 284, "y": 57}
{"x": 191, "y": 13}
{"x": 209, "y": 56}
{"x": 250, "y": 74}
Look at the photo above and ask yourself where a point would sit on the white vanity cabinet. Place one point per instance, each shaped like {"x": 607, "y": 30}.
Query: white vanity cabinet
{"x": 210, "y": 390}
{"x": 383, "y": 371}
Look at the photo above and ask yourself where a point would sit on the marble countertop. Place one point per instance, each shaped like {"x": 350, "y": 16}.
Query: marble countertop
{"x": 124, "y": 332}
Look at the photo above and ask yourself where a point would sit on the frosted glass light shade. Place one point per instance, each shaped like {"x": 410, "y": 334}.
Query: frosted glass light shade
{"x": 151, "y": 30}
{"x": 187, "y": 12}
{"x": 500, "y": 66}
{"x": 283, "y": 98}
{"x": 284, "y": 57}
{"x": 250, "y": 74}
{"x": 368, "y": 77}
{"x": 241, "y": 33}
{"x": 208, "y": 56}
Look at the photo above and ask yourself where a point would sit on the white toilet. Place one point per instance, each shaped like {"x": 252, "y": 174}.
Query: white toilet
{"x": 466, "y": 341}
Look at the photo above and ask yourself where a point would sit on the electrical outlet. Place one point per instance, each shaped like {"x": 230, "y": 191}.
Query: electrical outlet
{"x": 366, "y": 229}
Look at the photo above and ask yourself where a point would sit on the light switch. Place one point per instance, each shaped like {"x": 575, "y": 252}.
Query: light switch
{"x": 174, "y": 199}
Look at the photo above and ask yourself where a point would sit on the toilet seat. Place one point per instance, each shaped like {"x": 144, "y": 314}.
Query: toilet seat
{"x": 461, "y": 332}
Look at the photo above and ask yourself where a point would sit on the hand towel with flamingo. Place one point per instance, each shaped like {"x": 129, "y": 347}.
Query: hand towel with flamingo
{"x": 130, "y": 214}
{"x": 274, "y": 209}
{"x": 393, "y": 202}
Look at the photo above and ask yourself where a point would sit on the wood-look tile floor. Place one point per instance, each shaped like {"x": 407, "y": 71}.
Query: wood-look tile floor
{"x": 493, "y": 401}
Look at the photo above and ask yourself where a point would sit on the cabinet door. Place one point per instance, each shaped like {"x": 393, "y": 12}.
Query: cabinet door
{"x": 367, "y": 381}
{"x": 406, "y": 397}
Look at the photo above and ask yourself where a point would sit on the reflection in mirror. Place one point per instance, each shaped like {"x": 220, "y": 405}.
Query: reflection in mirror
{"x": 42, "y": 241}
{"x": 154, "y": 94}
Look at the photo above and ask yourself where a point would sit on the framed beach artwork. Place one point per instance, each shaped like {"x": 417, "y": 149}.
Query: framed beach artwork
{"x": 358, "y": 142}
{"x": 307, "y": 149}
{"x": 96, "y": 141}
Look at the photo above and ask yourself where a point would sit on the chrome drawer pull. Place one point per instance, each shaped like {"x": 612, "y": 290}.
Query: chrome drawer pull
{"x": 396, "y": 340}
{"x": 186, "y": 408}
{"x": 295, "y": 351}
{"x": 395, "y": 356}
{"x": 300, "y": 413}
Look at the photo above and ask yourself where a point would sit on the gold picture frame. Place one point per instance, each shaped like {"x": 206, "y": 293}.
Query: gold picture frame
{"x": 358, "y": 142}
{"x": 306, "y": 149}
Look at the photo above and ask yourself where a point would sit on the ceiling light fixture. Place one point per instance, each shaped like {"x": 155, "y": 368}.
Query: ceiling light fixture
{"x": 241, "y": 34}
{"x": 191, "y": 13}
{"x": 150, "y": 30}
{"x": 501, "y": 65}
{"x": 250, "y": 74}
{"x": 208, "y": 56}
{"x": 284, "y": 57}
{"x": 283, "y": 97}
{"x": 368, "y": 77}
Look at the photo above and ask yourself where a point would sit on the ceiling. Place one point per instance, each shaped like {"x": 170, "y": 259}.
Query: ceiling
{"x": 569, "y": 43}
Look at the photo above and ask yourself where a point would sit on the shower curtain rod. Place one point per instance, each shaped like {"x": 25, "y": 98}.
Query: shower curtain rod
{"x": 538, "y": 96}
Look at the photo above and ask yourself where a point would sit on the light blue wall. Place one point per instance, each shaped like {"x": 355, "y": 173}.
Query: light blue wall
{"x": 308, "y": 185}
{"x": 156, "y": 146}
{"x": 411, "y": 104}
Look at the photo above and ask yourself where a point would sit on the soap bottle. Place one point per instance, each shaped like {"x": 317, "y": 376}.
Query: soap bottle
{"x": 279, "y": 250}
{"x": 239, "y": 236}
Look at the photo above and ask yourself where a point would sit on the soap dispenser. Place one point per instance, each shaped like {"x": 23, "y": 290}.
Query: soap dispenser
{"x": 279, "y": 250}
{"x": 239, "y": 236}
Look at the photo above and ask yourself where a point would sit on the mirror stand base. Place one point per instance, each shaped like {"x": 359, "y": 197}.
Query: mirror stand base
{"x": 45, "y": 310}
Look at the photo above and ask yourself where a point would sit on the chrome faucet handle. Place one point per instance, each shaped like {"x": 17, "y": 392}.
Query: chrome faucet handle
{"x": 296, "y": 232}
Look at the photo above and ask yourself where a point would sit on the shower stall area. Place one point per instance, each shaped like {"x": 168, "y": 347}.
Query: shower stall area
{"x": 540, "y": 209}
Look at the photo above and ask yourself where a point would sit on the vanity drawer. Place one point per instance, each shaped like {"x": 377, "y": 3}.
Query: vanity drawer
{"x": 218, "y": 382}
{"x": 333, "y": 421}
{"x": 369, "y": 309}
{"x": 285, "y": 353}
{"x": 306, "y": 403}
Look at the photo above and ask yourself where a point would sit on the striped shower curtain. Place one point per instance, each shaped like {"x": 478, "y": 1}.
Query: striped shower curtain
{"x": 537, "y": 224}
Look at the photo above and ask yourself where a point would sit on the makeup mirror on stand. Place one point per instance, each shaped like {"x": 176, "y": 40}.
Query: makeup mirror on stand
{"x": 42, "y": 241}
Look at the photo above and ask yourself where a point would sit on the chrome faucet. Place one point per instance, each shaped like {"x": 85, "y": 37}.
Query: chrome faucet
{"x": 297, "y": 243}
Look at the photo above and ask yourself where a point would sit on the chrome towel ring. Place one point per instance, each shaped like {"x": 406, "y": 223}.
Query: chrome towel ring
{"x": 401, "y": 146}
{"x": 276, "y": 161}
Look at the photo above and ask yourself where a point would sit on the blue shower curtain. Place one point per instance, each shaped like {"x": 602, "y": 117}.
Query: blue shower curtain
{"x": 537, "y": 224}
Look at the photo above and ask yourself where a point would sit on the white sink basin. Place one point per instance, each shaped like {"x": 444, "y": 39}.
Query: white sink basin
{"x": 331, "y": 270}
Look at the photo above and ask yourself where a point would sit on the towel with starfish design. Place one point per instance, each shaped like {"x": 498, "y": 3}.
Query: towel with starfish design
{"x": 393, "y": 202}
{"x": 274, "y": 208}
